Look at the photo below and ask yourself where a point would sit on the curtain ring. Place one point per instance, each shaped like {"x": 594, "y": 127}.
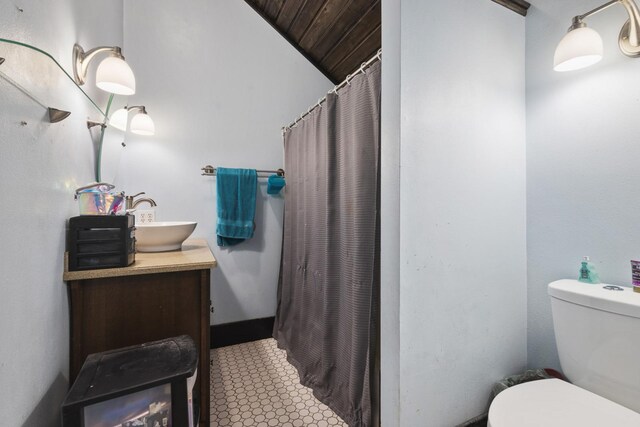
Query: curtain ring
{"x": 348, "y": 82}
{"x": 379, "y": 55}
{"x": 362, "y": 68}
{"x": 319, "y": 104}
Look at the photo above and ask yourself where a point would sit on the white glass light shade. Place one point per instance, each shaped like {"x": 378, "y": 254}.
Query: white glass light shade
{"x": 578, "y": 49}
{"x": 119, "y": 119}
{"x": 141, "y": 124}
{"x": 114, "y": 75}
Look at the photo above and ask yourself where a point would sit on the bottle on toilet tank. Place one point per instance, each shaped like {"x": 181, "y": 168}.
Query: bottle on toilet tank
{"x": 588, "y": 273}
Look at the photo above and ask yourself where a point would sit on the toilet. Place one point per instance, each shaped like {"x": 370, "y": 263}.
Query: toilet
{"x": 597, "y": 330}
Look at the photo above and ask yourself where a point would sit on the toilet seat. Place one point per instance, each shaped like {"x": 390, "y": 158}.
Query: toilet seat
{"x": 556, "y": 403}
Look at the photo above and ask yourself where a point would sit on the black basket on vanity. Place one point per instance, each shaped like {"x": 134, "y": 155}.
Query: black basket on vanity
{"x": 101, "y": 241}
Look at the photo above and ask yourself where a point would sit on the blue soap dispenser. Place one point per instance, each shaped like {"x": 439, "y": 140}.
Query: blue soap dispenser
{"x": 588, "y": 273}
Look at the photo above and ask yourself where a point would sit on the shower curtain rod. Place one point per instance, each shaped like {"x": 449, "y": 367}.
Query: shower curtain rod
{"x": 376, "y": 57}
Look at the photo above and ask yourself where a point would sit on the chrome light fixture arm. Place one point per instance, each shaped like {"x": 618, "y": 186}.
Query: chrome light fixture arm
{"x": 629, "y": 39}
{"x": 82, "y": 59}
{"x": 596, "y": 10}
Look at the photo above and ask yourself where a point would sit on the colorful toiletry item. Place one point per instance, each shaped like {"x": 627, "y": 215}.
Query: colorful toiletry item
{"x": 588, "y": 273}
{"x": 635, "y": 275}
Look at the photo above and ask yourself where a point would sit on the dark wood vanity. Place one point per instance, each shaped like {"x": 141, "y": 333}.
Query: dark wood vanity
{"x": 161, "y": 295}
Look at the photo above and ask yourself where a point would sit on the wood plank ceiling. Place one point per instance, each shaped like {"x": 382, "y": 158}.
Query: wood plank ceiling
{"x": 337, "y": 36}
{"x": 518, "y": 6}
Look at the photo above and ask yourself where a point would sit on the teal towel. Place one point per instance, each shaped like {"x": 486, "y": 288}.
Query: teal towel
{"x": 236, "y": 199}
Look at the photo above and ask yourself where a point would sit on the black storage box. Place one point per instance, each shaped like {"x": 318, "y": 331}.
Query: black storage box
{"x": 143, "y": 385}
{"x": 101, "y": 241}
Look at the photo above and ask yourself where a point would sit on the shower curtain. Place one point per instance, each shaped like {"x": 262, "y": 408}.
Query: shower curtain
{"x": 328, "y": 293}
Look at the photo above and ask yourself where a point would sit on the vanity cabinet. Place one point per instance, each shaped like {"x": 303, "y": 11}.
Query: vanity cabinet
{"x": 161, "y": 295}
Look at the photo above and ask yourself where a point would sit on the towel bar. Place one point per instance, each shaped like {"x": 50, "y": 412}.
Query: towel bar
{"x": 211, "y": 171}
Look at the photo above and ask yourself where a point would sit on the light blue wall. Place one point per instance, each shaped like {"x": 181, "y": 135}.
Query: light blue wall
{"x": 390, "y": 218}
{"x": 582, "y": 170}
{"x": 40, "y": 166}
{"x": 461, "y": 282}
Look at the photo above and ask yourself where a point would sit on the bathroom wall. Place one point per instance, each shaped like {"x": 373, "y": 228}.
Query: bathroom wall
{"x": 390, "y": 218}
{"x": 582, "y": 171}
{"x": 219, "y": 83}
{"x": 40, "y": 166}
{"x": 462, "y": 274}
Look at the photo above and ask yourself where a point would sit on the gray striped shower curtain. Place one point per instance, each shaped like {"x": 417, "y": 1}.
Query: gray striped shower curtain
{"x": 328, "y": 294}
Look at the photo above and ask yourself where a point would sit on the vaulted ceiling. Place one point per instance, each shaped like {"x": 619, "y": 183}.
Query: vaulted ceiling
{"x": 518, "y": 6}
{"x": 337, "y": 36}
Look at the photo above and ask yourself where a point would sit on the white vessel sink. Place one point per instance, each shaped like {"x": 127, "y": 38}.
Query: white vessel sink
{"x": 163, "y": 236}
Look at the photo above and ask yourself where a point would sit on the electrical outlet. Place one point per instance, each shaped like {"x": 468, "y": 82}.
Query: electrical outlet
{"x": 145, "y": 216}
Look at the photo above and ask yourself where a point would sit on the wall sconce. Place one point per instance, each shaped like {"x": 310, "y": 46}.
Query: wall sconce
{"x": 141, "y": 123}
{"x": 113, "y": 74}
{"x": 582, "y": 46}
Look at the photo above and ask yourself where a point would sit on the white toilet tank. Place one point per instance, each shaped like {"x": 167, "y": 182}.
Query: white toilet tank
{"x": 598, "y": 336}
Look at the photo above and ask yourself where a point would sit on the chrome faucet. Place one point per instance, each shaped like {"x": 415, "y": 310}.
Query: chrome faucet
{"x": 131, "y": 204}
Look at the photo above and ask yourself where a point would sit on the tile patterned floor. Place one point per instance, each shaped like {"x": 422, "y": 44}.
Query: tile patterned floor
{"x": 252, "y": 384}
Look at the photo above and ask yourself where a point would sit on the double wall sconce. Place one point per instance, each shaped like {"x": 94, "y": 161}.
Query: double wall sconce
{"x": 113, "y": 74}
{"x": 582, "y": 46}
{"x": 141, "y": 123}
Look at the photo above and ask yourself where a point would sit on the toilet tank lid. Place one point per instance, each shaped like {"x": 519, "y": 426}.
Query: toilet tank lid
{"x": 625, "y": 302}
{"x": 553, "y": 403}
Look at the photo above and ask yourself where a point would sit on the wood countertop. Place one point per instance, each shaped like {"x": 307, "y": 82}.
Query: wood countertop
{"x": 195, "y": 255}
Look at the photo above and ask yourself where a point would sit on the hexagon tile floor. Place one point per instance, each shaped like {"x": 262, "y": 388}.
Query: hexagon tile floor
{"x": 252, "y": 384}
